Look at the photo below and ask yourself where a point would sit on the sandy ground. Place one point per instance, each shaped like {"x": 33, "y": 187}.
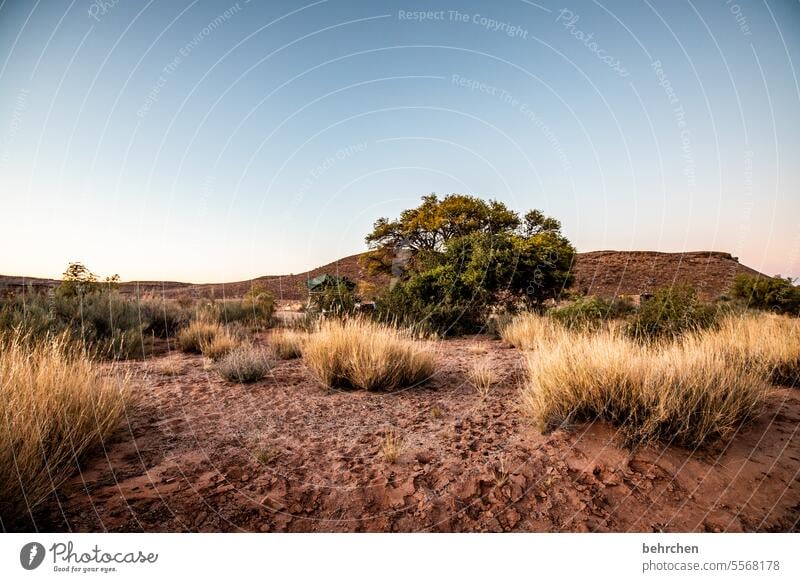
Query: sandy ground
{"x": 201, "y": 454}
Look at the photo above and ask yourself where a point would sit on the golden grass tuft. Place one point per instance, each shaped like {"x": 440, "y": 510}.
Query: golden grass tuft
{"x": 686, "y": 392}
{"x": 194, "y": 336}
{"x": 766, "y": 342}
{"x": 391, "y": 446}
{"x": 57, "y": 404}
{"x": 287, "y": 344}
{"x": 219, "y": 346}
{"x": 358, "y": 353}
{"x": 528, "y": 331}
{"x": 483, "y": 377}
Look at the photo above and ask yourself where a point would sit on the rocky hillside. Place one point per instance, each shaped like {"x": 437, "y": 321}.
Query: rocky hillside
{"x": 602, "y": 273}
{"x": 613, "y": 273}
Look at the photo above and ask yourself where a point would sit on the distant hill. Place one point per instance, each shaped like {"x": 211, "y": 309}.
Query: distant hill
{"x": 601, "y": 273}
{"x": 613, "y": 273}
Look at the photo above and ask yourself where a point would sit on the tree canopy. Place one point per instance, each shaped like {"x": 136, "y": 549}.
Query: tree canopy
{"x": 463, "y": 255}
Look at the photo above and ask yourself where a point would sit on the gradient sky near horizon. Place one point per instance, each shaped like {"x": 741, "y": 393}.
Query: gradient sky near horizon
{"x": 214, "y": 141}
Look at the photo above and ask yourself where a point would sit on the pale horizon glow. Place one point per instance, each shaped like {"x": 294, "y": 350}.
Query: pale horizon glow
{"x": 217, "y": 142}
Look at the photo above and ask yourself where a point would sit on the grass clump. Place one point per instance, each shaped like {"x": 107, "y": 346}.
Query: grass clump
{"x": 245, "y": 364}
{"x": 688, "y": 392}
{"x": 391, "y": 446}
{"x": 483, "y": 377}
{"x": 220, "y": 346}
{"x": 287, "y": 344}
{"x": 529, "y": 330}
{"x": 766, "y": 342}
{"x": 55, "y": 405}
{"x": 197, "y": 334}
{"x": 358, "y": 353}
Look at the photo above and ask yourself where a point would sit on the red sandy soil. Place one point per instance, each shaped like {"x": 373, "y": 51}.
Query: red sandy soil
{"x": 186, "y": 460}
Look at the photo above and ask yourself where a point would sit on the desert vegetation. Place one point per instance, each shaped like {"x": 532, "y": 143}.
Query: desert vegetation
{"x": 245, "y": 364}
{"x": 57, "y": 405}
{"x": 358, "y": 353}
{"x": 671, "y": 366}
{"x": 287, "y": 344}
{"x": 686, "y": 393}
{"x": 456, "y": 258}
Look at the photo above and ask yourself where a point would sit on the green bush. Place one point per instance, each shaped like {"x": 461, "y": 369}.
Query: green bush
{"x": 589, "y": 313}
{"x": 671, "y": 312}
{"x": 433, "y": 302}
{"x": 768, "y": 293}
{"x": 104, "y": 322}
{"x": 337, "y": 300}
{"x": 456, "y": 260}
{"x": 255, "y": 309}
{"x": 164, "y": 318}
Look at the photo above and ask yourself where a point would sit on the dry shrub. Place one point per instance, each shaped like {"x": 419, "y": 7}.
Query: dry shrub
{"x": 766, "y": 342}
{"x": 685, "y": 392}
{"x": 529, "y": 331}
{"x": 358, "y": 353}
{"x": 245, "y": 364}
{"x": 287, "y": 344}
{"x": 56, "y": 404}
{"x": 482, "y": 376}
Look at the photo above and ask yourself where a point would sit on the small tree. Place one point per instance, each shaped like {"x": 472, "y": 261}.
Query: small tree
{"x": 467, "y": 255}
{"x": 78, "y": 281}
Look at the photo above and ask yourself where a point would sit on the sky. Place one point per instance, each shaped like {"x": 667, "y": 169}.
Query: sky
{"x": 210, "y": 141}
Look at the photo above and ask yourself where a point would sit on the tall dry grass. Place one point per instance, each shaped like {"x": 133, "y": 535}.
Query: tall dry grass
{"x": 287, "y": 344}
{"x": 358, "y": 353}
{"x": 482, "y": 377}
{"x": 55, "y": 405}
{"x": 528, "y": 331}
{"x": 687, "y": 392}
{"x": 766, "y": 342}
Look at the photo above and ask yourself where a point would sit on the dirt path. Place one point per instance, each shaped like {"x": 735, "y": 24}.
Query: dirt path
{"x": 201, "y": 454}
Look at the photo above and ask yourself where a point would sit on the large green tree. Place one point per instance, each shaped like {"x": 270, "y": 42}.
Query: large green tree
{"x": 462, "y": 256}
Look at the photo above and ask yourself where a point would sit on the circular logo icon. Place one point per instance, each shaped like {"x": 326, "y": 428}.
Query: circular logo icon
{"x": 31, "y": 555}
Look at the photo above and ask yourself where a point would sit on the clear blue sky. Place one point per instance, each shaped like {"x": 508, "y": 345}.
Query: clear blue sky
{"x": 212, "y": 141}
